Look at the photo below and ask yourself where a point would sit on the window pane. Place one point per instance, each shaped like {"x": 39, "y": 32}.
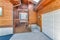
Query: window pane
{"x": 36, "y": 0}
{"x": 23, "y": 16}
{"x": 0, "y": 11}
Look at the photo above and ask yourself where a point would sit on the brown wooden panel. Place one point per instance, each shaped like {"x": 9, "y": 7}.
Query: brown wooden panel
{"x": 15, "y": 2}
{"x": 54, "y": 5}
{"x": 6, "y": 18}
{"x": 32, "y": 15}
{"x": 5, "y": 26}
{"x": 42, "y": 4}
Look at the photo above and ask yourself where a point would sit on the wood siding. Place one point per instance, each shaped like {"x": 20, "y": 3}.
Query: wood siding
{"x": 32, "y": 15}
{"x": 6, "y": 18}
{"x": 54, "y": 5}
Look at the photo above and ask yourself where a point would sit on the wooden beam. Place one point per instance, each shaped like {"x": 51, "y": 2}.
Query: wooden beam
{"x": 15, "y": 2}
{"x": 42, "y": 4}
{"x": 16, "y": 5}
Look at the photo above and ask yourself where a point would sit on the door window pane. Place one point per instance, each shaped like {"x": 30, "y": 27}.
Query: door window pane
{"x": 23, "y": 16}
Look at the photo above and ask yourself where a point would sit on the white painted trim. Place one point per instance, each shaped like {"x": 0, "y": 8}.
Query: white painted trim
{"x": 6, "y": 31}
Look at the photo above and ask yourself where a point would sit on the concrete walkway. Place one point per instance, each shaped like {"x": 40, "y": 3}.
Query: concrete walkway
{"x": 29, "y": 36}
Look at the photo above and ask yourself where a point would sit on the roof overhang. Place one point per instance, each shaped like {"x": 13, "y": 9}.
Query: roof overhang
{"x": 42, "y": 4}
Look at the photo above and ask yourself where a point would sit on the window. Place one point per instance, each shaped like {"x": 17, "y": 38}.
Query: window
{"x": 0, "y": 11}
{"x": 23, "y": 17}
{"x": 36, "y": 0}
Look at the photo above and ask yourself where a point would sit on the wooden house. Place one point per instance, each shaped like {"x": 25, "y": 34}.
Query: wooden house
{"x": 18, "y": 16}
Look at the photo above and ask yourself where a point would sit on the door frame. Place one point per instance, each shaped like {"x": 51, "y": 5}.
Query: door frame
{"x": 18, "y": 13}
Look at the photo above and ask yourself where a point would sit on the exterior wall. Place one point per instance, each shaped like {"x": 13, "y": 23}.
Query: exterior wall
{"x": 6, "y": 18}
{"x": 55, "y": 4}
{"x": 32, "y": 15}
